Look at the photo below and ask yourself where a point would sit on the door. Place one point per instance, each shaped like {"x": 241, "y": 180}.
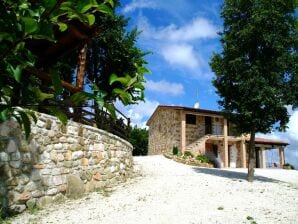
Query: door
{"x": 208, "y": 125}
{"x": 257, "y": 157}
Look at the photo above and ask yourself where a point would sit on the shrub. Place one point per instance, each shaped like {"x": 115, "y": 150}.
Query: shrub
{"x": 188, "y": 154}
{"x": 202, "y": 158}
{"x": 289, "y": 166}
{"x": 175, "y": 150}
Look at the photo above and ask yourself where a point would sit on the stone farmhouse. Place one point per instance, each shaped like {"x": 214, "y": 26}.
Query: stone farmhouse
{"x": 205, "y": 132}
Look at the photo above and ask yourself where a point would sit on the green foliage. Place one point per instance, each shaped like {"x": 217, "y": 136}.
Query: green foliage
{"x": 256, "y": 71}
{"x": 139, "y": 140}
{"x": 24, "y": 22}
{"x": 289, "y": 166}
{"x": 115, "y": 64}
{"x": 188, "y": 154}
{"x": 202, "y": 158}
{"x": 175, "y": 150}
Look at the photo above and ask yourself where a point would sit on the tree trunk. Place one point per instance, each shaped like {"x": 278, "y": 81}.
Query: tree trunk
{"x": 80, "y": 78}
{"x": 251, "y": 157}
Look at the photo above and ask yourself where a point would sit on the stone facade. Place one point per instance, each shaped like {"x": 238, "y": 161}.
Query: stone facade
{"x": 164, "y": 133}
{"x": 58, "y": 161}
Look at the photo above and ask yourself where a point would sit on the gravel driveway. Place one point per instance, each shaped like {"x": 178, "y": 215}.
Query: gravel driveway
{"x": 168, "y": 193}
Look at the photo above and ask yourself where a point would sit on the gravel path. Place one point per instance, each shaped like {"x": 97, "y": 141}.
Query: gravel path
{"x": 171, "y": 193}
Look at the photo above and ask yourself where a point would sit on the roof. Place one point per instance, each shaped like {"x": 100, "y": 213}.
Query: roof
{"x": 187, "y": 109}
{"x": 267, "y": 141}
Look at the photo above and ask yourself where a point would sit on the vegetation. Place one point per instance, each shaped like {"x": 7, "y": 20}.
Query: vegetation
{"x": 28, "y": 27}
{"x": 139, "y": 140}
{"x": 289, "y": 166}
{"x": 188, "y": 154}
{"x": 256, "y": 71}
{"x": 175, "y": 150}
{"x": 202, "y": 158}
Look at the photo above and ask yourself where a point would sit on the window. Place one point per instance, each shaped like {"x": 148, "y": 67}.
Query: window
{"x": 191, "y": 119}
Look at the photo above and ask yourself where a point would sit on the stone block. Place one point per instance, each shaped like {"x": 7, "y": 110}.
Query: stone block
{"x": 86, "y": 175}
{"x": 57, "y": 180}
{"x": 6, "y": 171}
{"x": 68, "y": 155}
{"x": 62, "y": 188}
{"x": 75, "y": 186}
{"x": 40, "y": 124}
{"x": 13, "y": 181}
{"x": 35, "y": 175}
{"x": 99, "y": 147}
{"x": 52, "y": 191}
{"x": 31, "y": 203}
{"x": 17, "y": 209}
{"x": 77, "y": 155}
{"x": 26, "y": 157}
{"x": 25, "y": 196}
{"x": 90, "y": 186}
{"x": 27, "y": 168}
{"x": 24, "y": 147}
{"x": 37, "y": 193}
{"x": 39, "y": 166}
{"x": 68, "y": 164}
{"x": 64, "y": 170}
{"x": 15, "y": 164}
{"x": 11, "y": 147}
{"x": 31, "y": 186}
{"x": 4, "y": 157}
{"x": 58, "y": 146}
{"x": 84, "y": 162}
{"x": 97, "y": 176}
{"x": 44, "y": 201}
{"x": 24, "y": 179}
{"x": 59, "y": 198}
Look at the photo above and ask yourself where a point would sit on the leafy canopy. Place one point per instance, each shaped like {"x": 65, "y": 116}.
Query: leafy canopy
{"x": 256, "y": 71}
{"x": 25, "y": 22}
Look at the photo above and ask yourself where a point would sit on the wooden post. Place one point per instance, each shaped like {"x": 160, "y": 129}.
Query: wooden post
{"x": 183, "y": 131}
{"x": 243, "y": 153}
{"x": 81, "y": 67}
{"x": 80, "y": 78}
{"x": 225, "y": 145}
{"x": 281, "y": 156}
{"x": 263, "y": 157}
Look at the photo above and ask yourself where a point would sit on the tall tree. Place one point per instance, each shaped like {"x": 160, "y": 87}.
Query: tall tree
{"x": 139, "y": 140}
{"x": 256, "y": 69}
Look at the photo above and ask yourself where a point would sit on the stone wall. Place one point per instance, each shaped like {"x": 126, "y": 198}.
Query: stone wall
{"x": 58, "y": 161}
{"x": 164, "y": 131}
{"x": 195, "y": 131}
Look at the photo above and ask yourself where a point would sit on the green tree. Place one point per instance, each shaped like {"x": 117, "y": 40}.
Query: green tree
{"x": 114, "y": 51}
{"x": 27, "y": 27}
{"x": 256, "y": 71}
{"x": 139, "y": 140}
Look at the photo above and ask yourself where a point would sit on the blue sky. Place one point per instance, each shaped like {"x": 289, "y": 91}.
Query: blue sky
{"x": 182, "y": 34}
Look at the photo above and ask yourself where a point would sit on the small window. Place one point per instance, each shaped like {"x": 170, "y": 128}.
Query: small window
{"x": 191, "y": 119}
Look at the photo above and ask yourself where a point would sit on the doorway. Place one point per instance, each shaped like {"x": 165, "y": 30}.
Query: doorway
{"x": 208, "y": 125}
{"x": 257, "y": 151}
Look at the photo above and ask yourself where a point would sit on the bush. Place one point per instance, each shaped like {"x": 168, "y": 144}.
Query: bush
{"x": 202, "y": 158}
{"x": 188, "y": 154}
{"x": 175, "y": 150}
{"x": 289, "y": 166}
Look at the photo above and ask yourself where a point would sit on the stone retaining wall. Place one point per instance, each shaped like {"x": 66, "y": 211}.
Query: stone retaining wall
{"x": 58, "y": 161}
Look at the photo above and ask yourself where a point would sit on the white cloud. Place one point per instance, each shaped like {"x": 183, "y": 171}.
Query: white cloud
{"x": 139, "y": 4}
{"x": 138, "y": 113}
{"x": 291, "y": 135}
{"x": 198, "y": 28}
{"x": 165, "y": 87}
{"x": 181, "y": 55}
